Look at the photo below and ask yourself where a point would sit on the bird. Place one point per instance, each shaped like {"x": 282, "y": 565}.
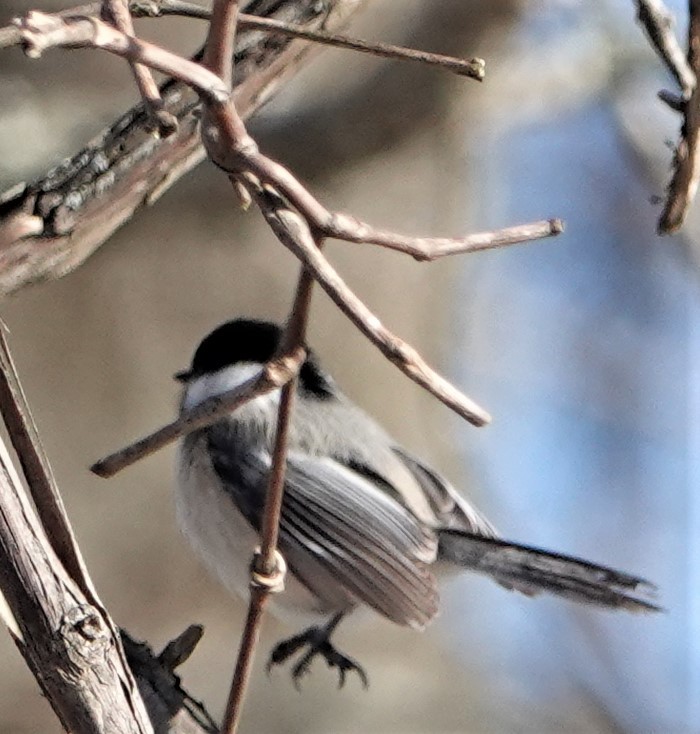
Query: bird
{"x": 364, "y": 522}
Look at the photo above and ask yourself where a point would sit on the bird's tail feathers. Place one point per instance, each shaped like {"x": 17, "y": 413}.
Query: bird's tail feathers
{"x": 532, "y": 570}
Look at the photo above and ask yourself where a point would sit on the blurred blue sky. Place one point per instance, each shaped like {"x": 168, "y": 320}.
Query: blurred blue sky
{"x": 586, "y": 354}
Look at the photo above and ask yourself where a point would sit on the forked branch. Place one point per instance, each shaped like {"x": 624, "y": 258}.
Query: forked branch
{"x": 301, "y": 223}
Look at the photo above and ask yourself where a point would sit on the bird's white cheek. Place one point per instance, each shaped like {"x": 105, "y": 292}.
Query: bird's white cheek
{"x": 217, "y": 383}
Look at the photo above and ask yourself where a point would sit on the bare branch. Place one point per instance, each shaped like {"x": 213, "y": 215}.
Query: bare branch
{"x": 657, "y": 20}
{"x": 271, "y": 377}
{"x": 67, "y": 637}
{"x": 40, "y": 32}
{"x": 164, "y": 123}
{"x": 49, "y": 227}
{"x": 686, "y": 165}
{"x": 241, "y": 675}
{"x": 268, "y": 567}
{"x": 345, "y": 227}
{"x": 221, "y": 39}
{"x": 474, "y": 68}
{"x": 293, "y": 231}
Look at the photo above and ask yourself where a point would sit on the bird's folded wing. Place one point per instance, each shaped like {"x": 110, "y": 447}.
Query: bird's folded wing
{"x": 450, "y": 507}
{"x": 366, "y": 541}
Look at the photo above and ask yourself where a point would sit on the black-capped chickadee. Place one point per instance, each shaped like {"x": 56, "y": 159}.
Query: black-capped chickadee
{"x": 364, "y": 523}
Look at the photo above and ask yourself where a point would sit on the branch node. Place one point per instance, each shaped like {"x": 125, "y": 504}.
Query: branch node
{"x": 271, "y": 580}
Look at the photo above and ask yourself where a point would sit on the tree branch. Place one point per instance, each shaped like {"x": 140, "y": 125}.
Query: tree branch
{"x": 274, "y": 375}
{"x": 686, "y": 163}
{"x": 657, "y": 20}
{"x": 67, "y": 637}
{"x": 51, "y": 226}
{"x": 269, "y": 568}
{"x": 294, "y": 232}
{"x": 41, "y": 31}
{"x": 163, "y": 122}
{"x": 473, "y": 68}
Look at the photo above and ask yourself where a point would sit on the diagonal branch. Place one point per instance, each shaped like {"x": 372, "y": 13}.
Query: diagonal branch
{"x": 345, "y": 227}
{"x": 473, "y": 68}
{"x": 686, "y": 164}
{"x": 40, "y": 32}
{"x": 274, "y": 375}
{"x": 294, "y": 232}
{"x": 657, "y": 20}
{"x": 163, "y": 122}
{"x": 49, "y": 227}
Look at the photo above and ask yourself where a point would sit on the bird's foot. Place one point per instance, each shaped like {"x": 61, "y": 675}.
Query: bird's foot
{"x": 317, "y": 640}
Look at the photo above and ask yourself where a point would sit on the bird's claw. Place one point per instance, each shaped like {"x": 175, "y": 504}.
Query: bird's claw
{"x": 315, "y": 639}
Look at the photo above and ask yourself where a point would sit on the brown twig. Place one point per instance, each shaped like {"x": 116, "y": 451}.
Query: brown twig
{"x": 234, "y": 151}
{"x": 657, "y": 20}
{"x": 474, "y": 68}
{"x": 292, "y": 340}
{"x": 294, "y": 232}
{"x": 241, "y": 674}
{"x": 686, "y": 165}
{"x": 221, "y": 39}
{"x": 164, "y": 123}
{"x": 40, "y": 31}
{"x": 348, "y": 228}
{"x": 273, "y": 376}
{"x": 266, "y": 563}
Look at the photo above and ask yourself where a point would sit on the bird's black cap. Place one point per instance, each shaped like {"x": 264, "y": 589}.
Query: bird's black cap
{"x": 248, "y": 340}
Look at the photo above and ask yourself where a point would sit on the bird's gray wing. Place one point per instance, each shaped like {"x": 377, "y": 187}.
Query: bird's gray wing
{"x": 451, "y": 509}
{"x": 366, "y": 541}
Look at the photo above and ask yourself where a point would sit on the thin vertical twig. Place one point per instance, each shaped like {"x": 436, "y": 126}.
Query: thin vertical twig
{"x": 244, "y": 663}
{"x": 268, "y": 565}
{"x": 221, "y": 39}
{"x": 223, "y": 125}
{"x": 293, "y": 338}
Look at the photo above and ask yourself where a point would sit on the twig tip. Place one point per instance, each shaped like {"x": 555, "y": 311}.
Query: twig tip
{"x": 556, "y": 226}
{"x": 100, "y": 469}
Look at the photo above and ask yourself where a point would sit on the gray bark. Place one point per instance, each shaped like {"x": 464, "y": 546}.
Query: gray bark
{"x": 89, "y": 196}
